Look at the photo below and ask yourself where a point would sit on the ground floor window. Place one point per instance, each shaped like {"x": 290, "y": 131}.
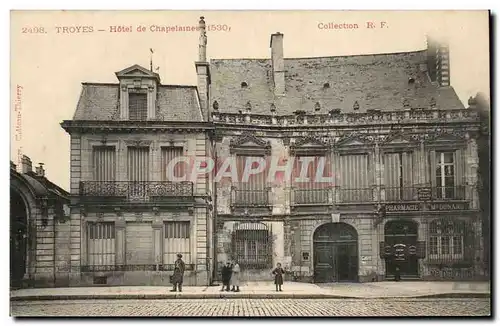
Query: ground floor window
{"x": 101, "y": 244}
{"x": 177, "y": 240}
{"x": 446, "y": 239}
{"x": 252, "y": 246}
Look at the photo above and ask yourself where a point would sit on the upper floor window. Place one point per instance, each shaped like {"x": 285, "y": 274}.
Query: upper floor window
{"x": 138, "y": 106}
{"x": 138, "y": 163}
{"x": 251, "y": 188}
{"x": 398, "y": 170}
{"x": 104, "y": 163}
{"x": 445, "y": 175}
{"x": 311, "y": 179}
{"x": 171, "y": 167}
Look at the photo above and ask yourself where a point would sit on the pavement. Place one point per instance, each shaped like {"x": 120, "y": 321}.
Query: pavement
{"x": 266, "y": 290}
{"x": 244, "y": 308}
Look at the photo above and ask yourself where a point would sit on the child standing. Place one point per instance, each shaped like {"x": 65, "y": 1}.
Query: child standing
{"x": 278, "y": 277}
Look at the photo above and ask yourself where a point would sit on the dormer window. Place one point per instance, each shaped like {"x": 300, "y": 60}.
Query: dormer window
{"x": 138, "y": 106}
{"x": 139, "y": 88}
{"x": 244, "y": 85}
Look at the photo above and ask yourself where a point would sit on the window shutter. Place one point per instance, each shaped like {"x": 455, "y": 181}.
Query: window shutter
{"x": 432, "y": 155}
{"x": 459, "y": 163}
{"x": 469, "y": 238}
{"x": 421, "y": 249}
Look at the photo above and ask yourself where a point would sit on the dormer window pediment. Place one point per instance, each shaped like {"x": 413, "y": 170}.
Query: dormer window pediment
{"x": 138, "y": 87}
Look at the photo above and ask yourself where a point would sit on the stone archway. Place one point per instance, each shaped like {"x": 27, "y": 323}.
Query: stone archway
{"x": 335, "y": 247}
{"x": 18, "y": 238}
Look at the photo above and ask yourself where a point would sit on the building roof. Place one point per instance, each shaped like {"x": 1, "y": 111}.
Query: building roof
{"x": 100, "y": 101}
{"x": 39, "y": 185}
{"x": 377, "y": 81}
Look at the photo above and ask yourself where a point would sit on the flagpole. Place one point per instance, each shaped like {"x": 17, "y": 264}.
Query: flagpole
{"x": 151, "y": 59}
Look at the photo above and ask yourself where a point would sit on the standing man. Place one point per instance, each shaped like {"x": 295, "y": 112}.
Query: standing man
{"x": 226, "y": 276}
{"x": 235, "y": 277}
{"x": 178, "y": 276}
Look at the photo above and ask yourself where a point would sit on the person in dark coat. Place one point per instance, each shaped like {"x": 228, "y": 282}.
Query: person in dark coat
{"x": 278, "y": 276}
{"x": 397, "y": 273}
{"x": 226, "y": 276}
{"x": 178, "y": 276}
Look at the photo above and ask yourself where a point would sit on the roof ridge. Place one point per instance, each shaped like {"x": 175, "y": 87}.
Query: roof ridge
{"x": 329, "y": 56}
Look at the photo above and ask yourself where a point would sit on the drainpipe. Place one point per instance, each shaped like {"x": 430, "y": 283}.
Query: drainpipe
{"x": 214, "y": 218}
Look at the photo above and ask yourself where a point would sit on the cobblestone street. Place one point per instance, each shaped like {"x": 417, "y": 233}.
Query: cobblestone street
{"x": 255, "y": 307}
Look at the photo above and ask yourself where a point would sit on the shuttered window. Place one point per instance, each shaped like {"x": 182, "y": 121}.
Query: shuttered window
{"x": 251, "y": 190}
{"x": 398, "y": 176}
{"x": 138, "y": 106}
{"x": 138, "y": 163}
{"x": 168, "y": 154}
{"x": 101, "y": 244}
{"x": 139, "y": 243}
{"x": 354, "y": 178}
{"x": 177, "y": 241}
{"x": 104, "y": 163}
{"x": 308, "y": 185}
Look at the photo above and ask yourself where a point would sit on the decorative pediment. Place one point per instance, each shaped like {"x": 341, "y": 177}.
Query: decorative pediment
{"x": 248, "y": 142}
{"x": 136, "y": 71}
{"x": 446, "y": 136}
{"x": 309, "y": 143}
{"x": 138, "y": 143}
{"x": 355, "y": 139}
{"x": 399, "y": 138}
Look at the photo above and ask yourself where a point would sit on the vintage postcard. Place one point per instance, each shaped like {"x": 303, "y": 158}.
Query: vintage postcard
{"x": 250, "y": 163}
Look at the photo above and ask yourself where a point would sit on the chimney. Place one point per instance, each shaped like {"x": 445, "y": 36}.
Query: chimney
{"x": 26, "y": 164}
{"x": 40, "y": 170}
{"x": 202, "y": 48}
{"x": 203, "y": 70}
{"x": 278, "y": 63}
{"x": 438, "y": 61}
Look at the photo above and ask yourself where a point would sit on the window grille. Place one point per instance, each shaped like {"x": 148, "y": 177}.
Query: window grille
{"x": 252, "y": 246}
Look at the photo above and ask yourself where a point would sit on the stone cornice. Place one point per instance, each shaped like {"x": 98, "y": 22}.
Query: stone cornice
{"x": 87, "y": 126}
{"x": 373, "y": 118}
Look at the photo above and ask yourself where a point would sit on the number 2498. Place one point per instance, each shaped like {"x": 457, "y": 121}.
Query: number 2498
{"x": 33, "y": 30}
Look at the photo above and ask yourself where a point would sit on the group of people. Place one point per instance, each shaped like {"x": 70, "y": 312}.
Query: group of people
{"x": 230, "y": 276}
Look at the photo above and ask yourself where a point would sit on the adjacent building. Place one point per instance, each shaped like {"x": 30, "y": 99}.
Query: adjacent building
{"x": 129, "y": 220}
{"x": 39, "y": 228}
{"x": 398, "y": 146}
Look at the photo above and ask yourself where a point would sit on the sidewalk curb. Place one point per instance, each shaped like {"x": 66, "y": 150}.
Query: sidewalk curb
{"x": 237, "y": 296}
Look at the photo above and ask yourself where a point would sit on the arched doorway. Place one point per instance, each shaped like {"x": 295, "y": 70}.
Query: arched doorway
{"x": 335, "y": 253}
{"x": 18, "y": 238}
{"x": 401, "y": 241}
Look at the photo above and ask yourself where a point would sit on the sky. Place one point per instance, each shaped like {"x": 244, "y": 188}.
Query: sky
{"x": 53, "y": 52}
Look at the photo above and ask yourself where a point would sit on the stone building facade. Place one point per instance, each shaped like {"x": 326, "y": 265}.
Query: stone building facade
{"x": 128, "y": 218}
{"x": 39, "y": 228}
{"x": 400, "y": 150}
